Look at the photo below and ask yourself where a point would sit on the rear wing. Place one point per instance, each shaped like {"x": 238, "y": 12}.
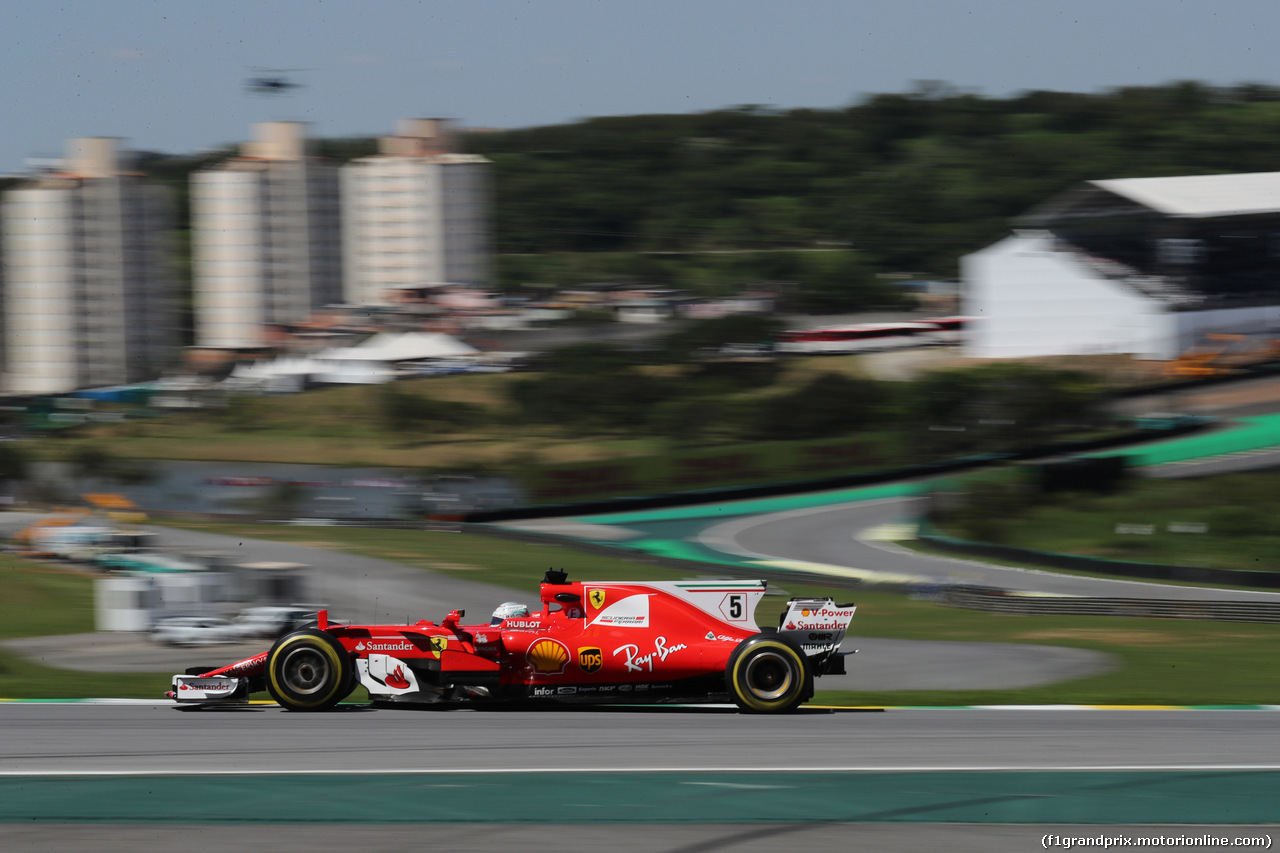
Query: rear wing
{"x": 818, "y": 626}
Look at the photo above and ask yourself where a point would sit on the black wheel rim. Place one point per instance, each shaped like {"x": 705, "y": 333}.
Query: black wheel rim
{"x": 305, "y": 671}
{"x": 769, "y": 676}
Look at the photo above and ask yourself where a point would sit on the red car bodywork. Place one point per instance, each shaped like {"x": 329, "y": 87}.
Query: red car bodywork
{"x": 591, "y": 641}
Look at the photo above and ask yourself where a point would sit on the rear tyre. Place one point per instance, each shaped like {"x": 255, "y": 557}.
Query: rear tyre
{"x": 308, "y": 670}
{"x": 768, "y": 674}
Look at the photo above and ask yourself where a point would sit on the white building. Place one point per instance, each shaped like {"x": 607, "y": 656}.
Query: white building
{"x": 266, "y": 238}
{"x": 415, "y": 216}
{"x": 1146, "y": 266}
{"x": 89, "y": 289}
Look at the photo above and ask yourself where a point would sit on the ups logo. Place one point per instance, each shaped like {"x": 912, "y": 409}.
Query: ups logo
{"x": 590, "y": 660}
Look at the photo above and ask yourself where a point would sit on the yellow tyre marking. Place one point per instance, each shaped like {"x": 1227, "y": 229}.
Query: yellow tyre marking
{"x": 329, "y": 652}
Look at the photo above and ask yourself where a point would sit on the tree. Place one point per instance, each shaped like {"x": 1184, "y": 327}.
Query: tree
{"x": 593, "y": 386}
{"x": 829, "y": 405}
{"x": 999, "y": 407}
{"x": 681, "y": 346}
{"x": 13, "y": 462}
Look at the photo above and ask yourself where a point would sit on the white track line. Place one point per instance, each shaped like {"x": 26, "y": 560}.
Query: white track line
{"x": 904, "y": 768}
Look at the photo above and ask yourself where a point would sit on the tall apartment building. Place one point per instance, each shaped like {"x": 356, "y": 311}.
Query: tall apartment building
{"x": 415, "y": 215}
{"x": 266, "y": 244}
{"x": 88, "y": 298}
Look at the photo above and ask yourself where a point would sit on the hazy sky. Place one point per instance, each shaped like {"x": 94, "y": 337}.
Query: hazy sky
{"x": 168, "y": 75}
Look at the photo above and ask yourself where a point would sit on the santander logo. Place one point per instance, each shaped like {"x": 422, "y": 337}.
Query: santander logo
{"x": 397, "y": 680}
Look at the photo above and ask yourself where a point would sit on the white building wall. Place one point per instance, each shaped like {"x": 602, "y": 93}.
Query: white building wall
{"x": 466, "y": 204}
{"x": 39, "y": 260}
{"x": 1030, "y": 300}
{"x": 414, "y": 221}
{"x": 89, "y": 287}
{"x": 227, "y": 258}
{"x": 267, "y": 247}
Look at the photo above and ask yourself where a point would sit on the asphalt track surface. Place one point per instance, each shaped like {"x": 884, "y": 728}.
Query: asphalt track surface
{"x": 681, "y": 780}
{"x": 44, "y": 739}
{"x": 812, "y": 836}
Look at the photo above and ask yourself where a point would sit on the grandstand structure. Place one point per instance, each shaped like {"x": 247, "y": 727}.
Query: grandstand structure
{"x": 1146, "y": 266}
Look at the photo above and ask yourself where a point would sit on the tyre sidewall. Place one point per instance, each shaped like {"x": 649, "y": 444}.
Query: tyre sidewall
{"x": 735, "y": 674}
{"x": 337, "y": 685}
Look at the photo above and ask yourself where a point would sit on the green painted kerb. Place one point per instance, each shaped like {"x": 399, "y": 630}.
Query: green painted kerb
{"x": 758, "y": 505}
{"x": 1156, "y": 797}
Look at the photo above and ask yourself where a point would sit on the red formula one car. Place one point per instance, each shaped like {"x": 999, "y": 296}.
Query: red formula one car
{"x": 591, "y": 642}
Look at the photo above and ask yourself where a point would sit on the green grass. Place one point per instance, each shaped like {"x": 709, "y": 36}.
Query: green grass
{"x": 504, "y": 562}
{"x": 44, "y": 600}
{"x": 1239, "y": 510}
{"x": 347, "y": 426}
{"x": 929, "y": 548}
{"x": 1160, "y": 661}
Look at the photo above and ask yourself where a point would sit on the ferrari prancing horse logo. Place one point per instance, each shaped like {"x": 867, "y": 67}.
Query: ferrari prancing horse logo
{"x": 596, "y": 597}
{"x": 590, "y": 659}
{"x": 438, "y": 644}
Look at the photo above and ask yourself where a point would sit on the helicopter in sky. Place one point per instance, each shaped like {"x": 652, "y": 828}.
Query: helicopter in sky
{"x": 272, "y": 81}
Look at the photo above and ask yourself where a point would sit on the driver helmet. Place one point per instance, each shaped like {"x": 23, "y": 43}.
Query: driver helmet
{"x": 509, "y": 610}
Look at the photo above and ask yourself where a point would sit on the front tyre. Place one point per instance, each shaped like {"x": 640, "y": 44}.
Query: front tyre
{"x": 768, "y": 674}
{"x": 308, "y": 671}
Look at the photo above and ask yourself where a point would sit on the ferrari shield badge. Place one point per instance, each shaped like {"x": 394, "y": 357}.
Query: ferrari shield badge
{"x": 596, "y": 597}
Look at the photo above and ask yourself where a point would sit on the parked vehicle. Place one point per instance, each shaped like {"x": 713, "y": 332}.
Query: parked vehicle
{"x": 194, "y": 631}
{"x": 272, "y": 621}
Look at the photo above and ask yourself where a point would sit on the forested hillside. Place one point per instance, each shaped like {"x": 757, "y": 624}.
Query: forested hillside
{"x": 911, "y": 181}
{"x": 897, "y": 183}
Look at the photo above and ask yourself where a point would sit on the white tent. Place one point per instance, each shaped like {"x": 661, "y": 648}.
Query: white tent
{"x": 369, "y": 363}
{"x": 390, "y": 347}
{"x": 350, "y": 372}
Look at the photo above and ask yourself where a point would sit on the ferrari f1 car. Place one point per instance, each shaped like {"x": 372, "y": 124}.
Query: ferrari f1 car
{"x": 591, "y": 642}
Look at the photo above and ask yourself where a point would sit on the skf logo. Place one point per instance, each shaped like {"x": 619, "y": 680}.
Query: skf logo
{"x": 590, "y": 659}
{"x": 596, "y": 597}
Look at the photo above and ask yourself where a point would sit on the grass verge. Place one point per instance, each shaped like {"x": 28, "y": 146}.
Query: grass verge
{"x": 45, "y": 600}
{"x": 1222, "y": 522}
{"x": 923, "y": 547}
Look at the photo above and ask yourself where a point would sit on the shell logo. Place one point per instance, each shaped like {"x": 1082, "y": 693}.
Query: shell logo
{"x": 548, "y": 656}
{"x": 804, "y": 612}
